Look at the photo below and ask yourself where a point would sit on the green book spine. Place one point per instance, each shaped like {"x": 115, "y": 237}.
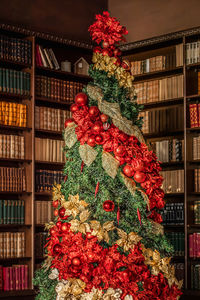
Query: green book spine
{"x": 28, "y": 83}
{"x": 14, "y": 82}
{"x": 24, "y": 84}
{"x": 1, "y": 211}
{"x": 7, "y": 80}
{"x": 5, "y": 205}
{"x": 192, "y": 277}
{"x": 17, "y": 82}
{"x": 12, "y": 211}
{"x": 9, "y": 212}
{"x": 11, "y": 81}
{"x": 16, "y": 212}
{"x": 21, "y": 78}
{"x": 22, "y": 212}
{"x": 1, "y": 80}
{"x": 19, "y": 212}
{"x": 4, "y": 80}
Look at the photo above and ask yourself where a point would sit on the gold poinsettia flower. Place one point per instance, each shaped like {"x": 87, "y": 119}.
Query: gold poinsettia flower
{"x": 101, "y": 232}
{"x": 127, "y": 241}
{"x": 81, "y": 225}
{"x": 74, "y": 206}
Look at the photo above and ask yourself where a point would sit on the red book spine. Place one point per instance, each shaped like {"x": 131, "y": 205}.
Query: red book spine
{"x": 198, "y": 244}
{"x": 1, "y": 278}
{"x": 6, "y": 279}
{"x": 195, "y": 244}
{"x": 11, "y": 278}
{"x": 22, "y": 267}
{"x": 191, "y": 245}
{"x": 38, "y": 56}
{"x": 193, "y": 115}
{"x": 26, "y": 277}
{"x": 16, "y": 277}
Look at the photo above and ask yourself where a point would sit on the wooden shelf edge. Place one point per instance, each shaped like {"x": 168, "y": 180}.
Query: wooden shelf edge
{"x": 60, "y": 72}
{"x": 15, "y": 63}
{"x": 8, "y": 127}
{"x": 14, "y": 225}
{"x": 49, "y": 163}
{"x": 59, "y": 133}
{"x": 15, "y": 160}
{"x": 168, "y": 102}
{"x": 14, "y": 96}
{"x": 160, "y": 73}
{"x": 54, "y": 101}
{"x": 6, "y": 294}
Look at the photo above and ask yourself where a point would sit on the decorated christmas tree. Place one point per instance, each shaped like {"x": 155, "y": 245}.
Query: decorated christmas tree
{"x": 106, "y": 241}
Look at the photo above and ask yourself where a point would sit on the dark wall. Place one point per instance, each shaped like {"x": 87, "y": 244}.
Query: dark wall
{"x": 149, "y": 18}
{"x": 67, "y": 18}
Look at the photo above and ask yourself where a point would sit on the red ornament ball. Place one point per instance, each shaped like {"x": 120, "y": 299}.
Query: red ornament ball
{"x": 105, "y": 44}
{"x": 89, "y": 235}
{"x": 97, "y": 127}
{"x": 64, "y": 227}
{"x": 120, "y": 150}
{"x": 62, "y": 212}
{"x": 139, "y": 176}
{"x": 55, "y": 203}
{"x": 105, "y": 51}
{"x": 57, "y": 248}
{"x": 68, "y": 122}
{"x": 58, "y": 224}
{"x": 108, "y": 205}
{"x": 91, "y": 141}
{"x": 52, "y": 231}
{"x": 99, "y": 139}
{"x": 74, "y": 107}
{"x": 104, "y": 118}
{"x": 81, "y": 99}
{"x": 128, "y": 171}
{"x": 76, "y": 261}
{"x": 137, "y": 165}
{"x": 94, "y": 111}
{"x": 55, "y": 213}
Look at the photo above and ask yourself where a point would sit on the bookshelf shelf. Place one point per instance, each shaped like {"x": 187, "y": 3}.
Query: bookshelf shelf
{"x": 14, "y": 128}
{"x": 49, "y": 132}
{"x": 62, "y": 74}
{"x": 15, "y": 259}
{"x": 15, "y": 97}
{"x": 169, "y": 195}
{"x": 169, "y": 102}
{"x": 173, "y": 164}
{"x": 157, "y": 74}
{"x": 14, "y": 193}
{"x": 10, "y": 226}
{"x": 52, "y": 102}
{"x": 193, "y": 97}
{"x": 49, "y": 163}
{"x": 18, "y": 160}
{"x": 163, "y": 134}
{"x": 23, "y": 293}
{"x": 13, "y": 64}
{"x": 193, "y": 66}
{"x": 43, "y": 193}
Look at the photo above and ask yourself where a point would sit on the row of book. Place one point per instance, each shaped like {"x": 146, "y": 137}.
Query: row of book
{"x": 194, "y": 115}
{"x": 45, "y": 179}
{"x": 192, "y": 53}
{"x": 57, "y": 89}
{"x": 159, "y": 62}
{"x": 173, "y": 214}
{"x": 45, "y": 57}
{"x": 17, "y": 50}
{"x": 196, "y": 209}
{"x": 12, "y": 179}
{"x": 50, "y": 118}
{"x": 195, "y": 277}
{"x": 12, "y": 244}
{"x": 14, "y": 278}
{"x": 169, "y": 150}
{"x": 177, "y": 239}
{"x": 173, "y": 181}
{"x": 49, "y": 150}
{"x": 161, "y": 120}
{"x": 197, "y": 180}
{"x": 13, "y": 114}
{"x": 43, "y": 212}
{"x": 159, "y": 89}
{"x": 196, "y": 147}
{"x": 194, "y": 245}
{"x": 40, "y": 242}
{"x": 11, "y": 211}
{"x": 12, "y": 146}
{"x": 14, "y": 82}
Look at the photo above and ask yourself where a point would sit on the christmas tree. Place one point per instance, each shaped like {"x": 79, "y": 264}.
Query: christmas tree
{"x": 106, "y": 241}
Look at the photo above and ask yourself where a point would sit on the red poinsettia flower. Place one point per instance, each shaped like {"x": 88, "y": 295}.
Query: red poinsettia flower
{"x": 107, "y": 29}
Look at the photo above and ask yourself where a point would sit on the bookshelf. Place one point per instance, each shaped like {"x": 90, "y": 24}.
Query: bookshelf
{"x": 151, "y": 59}
{"x": 55, "y": 110}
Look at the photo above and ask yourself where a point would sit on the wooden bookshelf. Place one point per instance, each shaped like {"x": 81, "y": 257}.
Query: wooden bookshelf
{"x": 63, "y": 50}
{"x": 144, "y": 50}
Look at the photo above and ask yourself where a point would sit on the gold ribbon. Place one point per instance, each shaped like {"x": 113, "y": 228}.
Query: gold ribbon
{"x": 101, "y": 232}
{"x": 110, "y": 164}
{"x": 74, "y": 206}
{"x": 87, "y": 154}
{"x": 81, "y": 225}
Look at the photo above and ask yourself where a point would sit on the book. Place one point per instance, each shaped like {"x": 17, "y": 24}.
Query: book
{"x": 46, "y": 58}
{"x": 173, "y": 214}
{"x": 43, "y": 212}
